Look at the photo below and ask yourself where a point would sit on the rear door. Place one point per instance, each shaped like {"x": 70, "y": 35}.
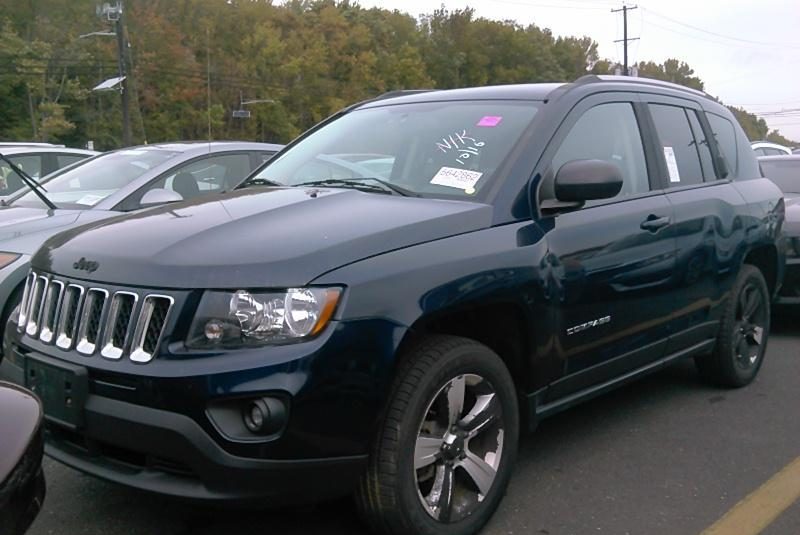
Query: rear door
{"x": 709, "y": 213}
{"x": 610, "y": 262}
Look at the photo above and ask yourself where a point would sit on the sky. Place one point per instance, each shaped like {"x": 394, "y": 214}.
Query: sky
{"x": 746, "y": 52}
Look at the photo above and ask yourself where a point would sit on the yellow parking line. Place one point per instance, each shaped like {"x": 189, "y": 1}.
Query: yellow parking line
{"x": 758, "y": 510}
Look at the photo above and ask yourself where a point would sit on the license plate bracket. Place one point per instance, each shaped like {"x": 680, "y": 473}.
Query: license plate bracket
{"x": 62, "y": 387}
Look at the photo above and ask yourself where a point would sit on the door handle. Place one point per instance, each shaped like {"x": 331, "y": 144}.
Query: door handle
{"x": 654, "y": 223}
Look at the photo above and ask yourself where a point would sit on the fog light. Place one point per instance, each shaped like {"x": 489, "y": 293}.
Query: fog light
{"x": 264, "y": 416}
{"x": 256, "y": 421}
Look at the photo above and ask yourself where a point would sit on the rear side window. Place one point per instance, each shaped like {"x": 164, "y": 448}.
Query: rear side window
{"x": 678, "y": 144}
{"x": 606, "y": 132}
{"x": 703, "y": 149}
{"x": 68, "y": 159}
{"x": 725, "y": 136}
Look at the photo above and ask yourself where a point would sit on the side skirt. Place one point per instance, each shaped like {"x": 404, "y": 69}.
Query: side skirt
{"x": 539, "y": 410}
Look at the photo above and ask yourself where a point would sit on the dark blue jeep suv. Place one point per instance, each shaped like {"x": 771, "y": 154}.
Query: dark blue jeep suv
{"x": 384, "y": 307}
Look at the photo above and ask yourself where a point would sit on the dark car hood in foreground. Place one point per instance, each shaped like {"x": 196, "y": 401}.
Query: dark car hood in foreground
{"x": 254, "y": 238}
{"x": 20, "y": 415}
{"x": 24, "y": 229}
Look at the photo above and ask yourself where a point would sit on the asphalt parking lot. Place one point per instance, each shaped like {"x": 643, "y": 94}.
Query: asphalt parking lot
{"x": 667, "y": 455}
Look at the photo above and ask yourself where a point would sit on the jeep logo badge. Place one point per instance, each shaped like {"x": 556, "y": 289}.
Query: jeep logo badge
{"x": 86, "y": 265}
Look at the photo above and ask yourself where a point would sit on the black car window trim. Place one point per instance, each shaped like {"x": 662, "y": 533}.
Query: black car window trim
{"x": 709, "y": 173}
{"x": 717, "y": 155}
{"x": 544, "y": 166}
{"x": 131, "y": 201}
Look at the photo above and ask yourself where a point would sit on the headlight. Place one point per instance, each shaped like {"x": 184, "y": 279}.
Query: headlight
{"x": 7, "y": 258}
{"x": 248, "y": 319}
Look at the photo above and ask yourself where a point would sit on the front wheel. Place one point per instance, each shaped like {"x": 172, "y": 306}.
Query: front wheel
{"x": 742, "y": 339}
{"x": 443, "y": 456}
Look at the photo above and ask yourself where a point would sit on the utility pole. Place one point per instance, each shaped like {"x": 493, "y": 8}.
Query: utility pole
{"x": 123, "y": 73}
{"x": 625, "y": 39}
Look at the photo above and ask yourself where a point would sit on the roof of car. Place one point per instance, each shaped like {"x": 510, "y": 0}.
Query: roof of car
{"x": 537, "y": 91}
{"x": 780, "y": 157}
{"x": 213, "y": 146}
{"x": 43, "y": 149}
{"x": 27, "y": 144}
{"x": 757, "y": 144}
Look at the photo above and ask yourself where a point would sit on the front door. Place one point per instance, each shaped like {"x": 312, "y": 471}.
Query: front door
{"x": 610, "y": 262}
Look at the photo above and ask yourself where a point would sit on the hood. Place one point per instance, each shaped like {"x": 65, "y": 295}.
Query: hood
{"x": 23, "y": 230}
{"x": 255, "y": 238}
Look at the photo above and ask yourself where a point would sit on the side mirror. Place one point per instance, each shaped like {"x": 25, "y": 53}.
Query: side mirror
{"x": 159, "y": 196}
{"x": 587, "y": 180}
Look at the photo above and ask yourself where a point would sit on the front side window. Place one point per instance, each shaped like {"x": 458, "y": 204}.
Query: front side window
{"x": 607, "y": 132}
{"x": 88, "y": 184}
{"x": 208, "y": 175}
{"x": 432, "y": 149}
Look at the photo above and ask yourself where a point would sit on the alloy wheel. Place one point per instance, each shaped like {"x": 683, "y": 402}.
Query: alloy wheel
{"x": 458, "y": 448}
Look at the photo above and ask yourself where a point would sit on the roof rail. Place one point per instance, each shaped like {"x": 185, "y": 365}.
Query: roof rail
{"x": 400, "y": 93}
{"x": 594, "y": 78}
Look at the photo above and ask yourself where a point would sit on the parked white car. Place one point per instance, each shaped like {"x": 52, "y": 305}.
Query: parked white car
{"x": 765, "y": 148}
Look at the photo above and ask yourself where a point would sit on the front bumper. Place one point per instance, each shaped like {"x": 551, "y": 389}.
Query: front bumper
{"x": 148, "y": 426}
{"x": 171, "y": 454}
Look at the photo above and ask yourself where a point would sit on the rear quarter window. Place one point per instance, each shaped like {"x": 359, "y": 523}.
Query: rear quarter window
{"x": 725, "y": 135}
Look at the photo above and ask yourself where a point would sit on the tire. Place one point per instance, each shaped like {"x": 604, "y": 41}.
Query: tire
{"x": 743, "y": 333}
{"x": 397, "y": 495}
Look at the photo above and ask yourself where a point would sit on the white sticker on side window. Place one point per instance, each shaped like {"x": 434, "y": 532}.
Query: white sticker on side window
{"x": 672, "y": 165}
{"x": 453, "y": 177}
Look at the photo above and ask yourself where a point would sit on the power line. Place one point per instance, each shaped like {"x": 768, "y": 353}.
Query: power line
{"x": 739, "y": 39}
{"x": 553, "y": 6}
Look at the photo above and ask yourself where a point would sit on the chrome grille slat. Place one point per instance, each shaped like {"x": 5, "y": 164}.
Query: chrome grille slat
{"x": 92, "y": 319}
{"x": 70, "y": 307}
{"x": 35, "y": 309}
{"x": 50, "y": 309}
{"x": 150, "y": 327}
{"x": 25, "y": 303}
{"x": 118, "y": 324}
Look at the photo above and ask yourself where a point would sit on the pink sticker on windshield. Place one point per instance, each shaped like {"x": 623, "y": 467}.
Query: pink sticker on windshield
{"x": 490, "y": 120}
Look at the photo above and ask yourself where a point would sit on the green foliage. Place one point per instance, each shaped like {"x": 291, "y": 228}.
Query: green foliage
{"x": 754, "y": 127}
{"x": 308, "y": 58}
{"x": 671, "y": 70}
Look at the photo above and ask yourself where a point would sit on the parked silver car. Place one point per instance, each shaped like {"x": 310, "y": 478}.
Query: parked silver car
{"x": 36, "y": 160}
{"x": 114, "y": 182}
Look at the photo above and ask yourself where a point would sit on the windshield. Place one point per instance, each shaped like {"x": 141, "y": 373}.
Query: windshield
{"x": 785, "y": 173}
{"x": 435, "y": 149}
{"x": 88, "y": 184}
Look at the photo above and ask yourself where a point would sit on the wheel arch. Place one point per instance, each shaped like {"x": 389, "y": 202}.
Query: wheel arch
{"x": 765, "y": 258}
{"x": 503, "y": 327}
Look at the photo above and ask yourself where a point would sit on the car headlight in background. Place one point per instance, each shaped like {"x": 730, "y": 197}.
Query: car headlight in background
{"x": 250, "y": 319}
{"x": 7, "y": 258}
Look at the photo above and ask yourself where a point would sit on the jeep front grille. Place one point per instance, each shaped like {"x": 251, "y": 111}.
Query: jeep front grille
{"x": 88, "y": 318}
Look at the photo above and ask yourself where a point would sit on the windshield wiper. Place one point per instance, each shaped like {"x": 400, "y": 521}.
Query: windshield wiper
{"x": 30, "y": 182}
{"x": 384, "y": 187}
{"x": 258, "y": 182}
